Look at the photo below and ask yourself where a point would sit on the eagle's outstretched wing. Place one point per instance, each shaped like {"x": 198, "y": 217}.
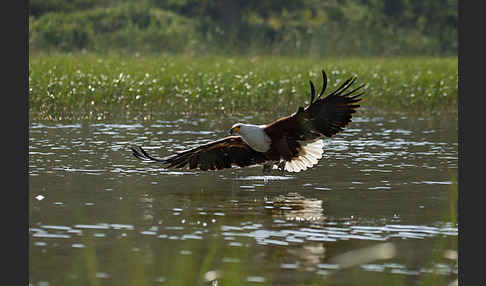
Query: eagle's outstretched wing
{"x": 215, "y": 155}
{"x": 295, "y": 138}
{"x": 324, "y": 116}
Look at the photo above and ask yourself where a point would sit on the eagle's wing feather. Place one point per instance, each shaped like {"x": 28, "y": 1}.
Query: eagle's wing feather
{"x": 215, "y": 155}
{"x": 324, "y": 116}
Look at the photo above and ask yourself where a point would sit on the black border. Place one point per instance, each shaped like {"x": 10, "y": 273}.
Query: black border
{"x": 460, "y": 112}
{"x": 20, "y": 55}
{"x": 468, "y": 188}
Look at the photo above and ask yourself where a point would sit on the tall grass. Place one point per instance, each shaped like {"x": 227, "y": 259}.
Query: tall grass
{"x": 86, "y": 85}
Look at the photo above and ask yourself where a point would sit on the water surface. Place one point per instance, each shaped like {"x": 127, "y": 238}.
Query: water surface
{"x": 380, "y": 196}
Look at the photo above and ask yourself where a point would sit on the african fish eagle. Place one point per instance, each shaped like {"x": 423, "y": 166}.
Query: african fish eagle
{"x": 292, "y": 143}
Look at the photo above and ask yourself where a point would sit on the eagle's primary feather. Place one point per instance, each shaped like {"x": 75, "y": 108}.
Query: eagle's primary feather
{"x": 293, "y": 143}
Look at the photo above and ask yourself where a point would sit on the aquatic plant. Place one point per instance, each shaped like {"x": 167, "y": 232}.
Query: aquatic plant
{"x": 85, "y": 85}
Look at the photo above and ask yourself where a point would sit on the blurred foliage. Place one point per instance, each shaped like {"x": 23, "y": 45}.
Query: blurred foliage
{"x": 302, "y": 27}
{"x": 125, "y": 26}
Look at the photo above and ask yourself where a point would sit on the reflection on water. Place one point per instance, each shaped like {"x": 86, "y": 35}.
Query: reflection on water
{"x": 381, "y": 194}
{"x": 294, "y": 206}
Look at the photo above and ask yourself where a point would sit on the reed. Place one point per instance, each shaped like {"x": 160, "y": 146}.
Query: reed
{"x": 94, "y": 86}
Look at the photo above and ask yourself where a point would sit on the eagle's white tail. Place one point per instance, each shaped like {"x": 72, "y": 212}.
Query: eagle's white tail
{"x": 308, "y": 156}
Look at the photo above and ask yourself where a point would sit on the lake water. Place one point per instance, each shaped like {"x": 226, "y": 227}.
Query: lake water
{"x": 378, "y": 208}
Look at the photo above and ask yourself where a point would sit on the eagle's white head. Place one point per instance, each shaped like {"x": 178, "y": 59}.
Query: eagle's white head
{"x": 253, "y": 135}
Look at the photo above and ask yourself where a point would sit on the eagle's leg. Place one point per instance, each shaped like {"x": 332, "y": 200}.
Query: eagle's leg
{"x": 267, "y": 167}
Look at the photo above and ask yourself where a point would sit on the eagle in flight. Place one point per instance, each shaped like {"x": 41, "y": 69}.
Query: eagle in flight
{"x": 292, "y": 143}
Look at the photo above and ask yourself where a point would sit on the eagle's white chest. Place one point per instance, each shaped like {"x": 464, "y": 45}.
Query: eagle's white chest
{"x": 255, "y": 136}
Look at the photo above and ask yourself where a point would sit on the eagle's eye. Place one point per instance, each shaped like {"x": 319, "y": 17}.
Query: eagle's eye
{"x": 234, "y": 130}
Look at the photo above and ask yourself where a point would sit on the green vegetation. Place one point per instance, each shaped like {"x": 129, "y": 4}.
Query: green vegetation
{"x": 291, "y": 28}
{"x": 103, "y": 58}
{"x": 87, "y": 85}
{"x": 124, "y": 27}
